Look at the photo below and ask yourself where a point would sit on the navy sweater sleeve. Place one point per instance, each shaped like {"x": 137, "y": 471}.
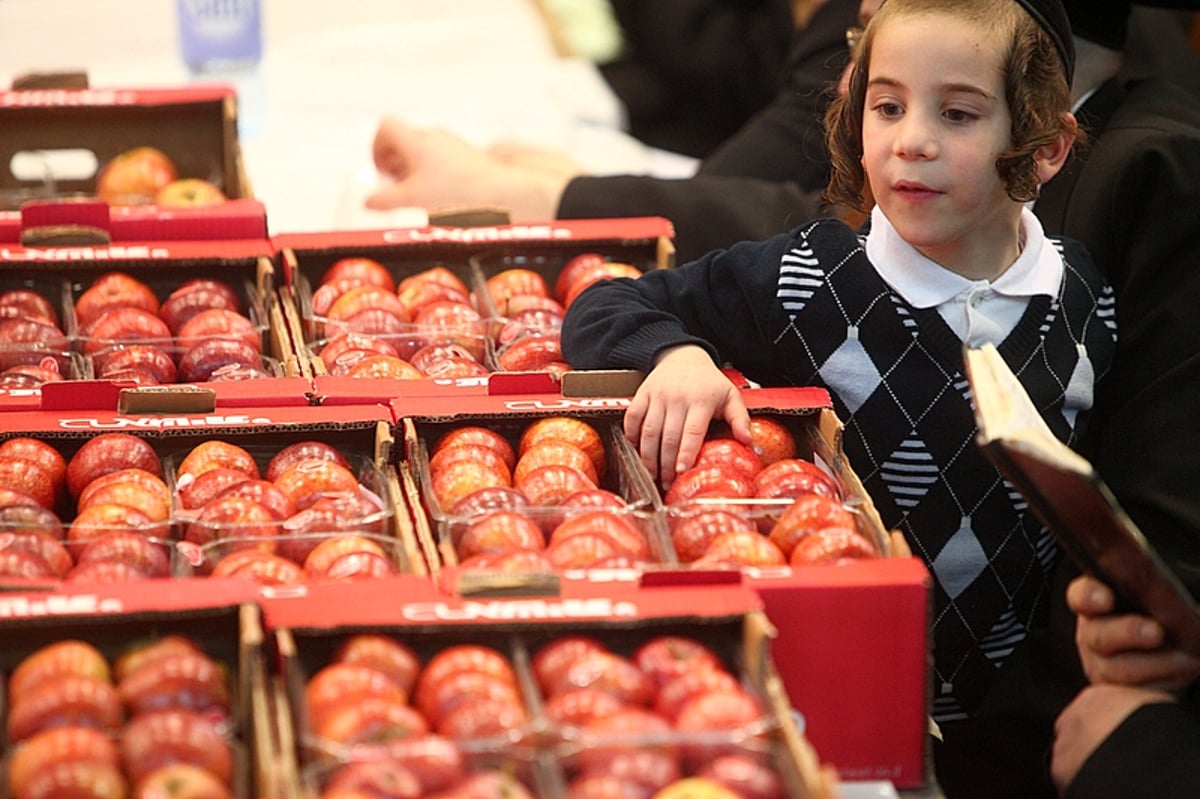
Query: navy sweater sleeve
{"x": 719, "y": 302}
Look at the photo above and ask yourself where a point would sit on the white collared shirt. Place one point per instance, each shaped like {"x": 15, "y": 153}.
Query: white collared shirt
{"x": 978, "y": 311}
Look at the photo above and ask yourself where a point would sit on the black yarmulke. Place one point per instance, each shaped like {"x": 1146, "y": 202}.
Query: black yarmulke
{"x": 1051, "y": 15}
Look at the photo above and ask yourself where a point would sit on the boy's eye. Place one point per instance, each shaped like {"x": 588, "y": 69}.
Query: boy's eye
{"x": 887, "y": 109}
{"x": 959, "y": 115}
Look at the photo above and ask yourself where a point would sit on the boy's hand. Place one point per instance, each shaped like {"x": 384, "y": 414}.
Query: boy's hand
{"x": 669, "y": 416}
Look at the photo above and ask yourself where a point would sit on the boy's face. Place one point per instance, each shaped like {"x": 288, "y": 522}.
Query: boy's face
{"x": 934, "y": 122}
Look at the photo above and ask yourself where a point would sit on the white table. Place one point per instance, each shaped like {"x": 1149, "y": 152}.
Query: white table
{"x": 482, "y": 68}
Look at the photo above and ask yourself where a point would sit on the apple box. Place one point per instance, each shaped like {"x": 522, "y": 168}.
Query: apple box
{"x": 57, "y": 140}
{"x": 519, "y": 685}
{"x": 439, "y": 277}
{"x": 162, "y": 669}
{"x": 94, "y": 481}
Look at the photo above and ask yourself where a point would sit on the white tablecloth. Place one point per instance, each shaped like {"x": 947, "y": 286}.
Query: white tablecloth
{"x": 482, "y": 68}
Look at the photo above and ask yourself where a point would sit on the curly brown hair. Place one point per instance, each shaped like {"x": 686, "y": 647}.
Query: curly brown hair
{"x": 1036, "y": 89}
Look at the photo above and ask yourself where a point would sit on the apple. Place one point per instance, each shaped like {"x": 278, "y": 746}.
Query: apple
{"x": 587, "y": 550}
{"x": 515, "y": 281}
{"x": 696, "y": 788}
{"x": 488, "y": 784}
{"x": 64, "y": 699}
{"x": 458, "y": 658}
{"x": 201, "y": 361}
{"x": 265, "y": 493}
{"x": 108, "y": 452}
{"x": 76, "y": 778}
{"x": 418, "y": 295}
{"x": 341, "y": 683}
{"x": 306, "y": 481}
{"x": 549, "y": 485}
{"x": 135, "y": 488}
{"x": 124, "y": 325}
{"x": 44, "y": 546}
{"x": 675, "y": 692}
{"x": 30, "y": 478}
{"x": 39, "y": 753}
{"x": 732, "y": 452}
{"x": 29, "y": 304}
{"x": 181, "y": 781}
{"x": 607, "y": 786}
{"x": 630, "y": 731}
{"x": 135, "y": 176}
{"x": 716, "y": 710}
{"x": 451, "y": 315}
{"x": 530, "y": 322}
{"x": 137, "y": 655}
{"x": 709, "y": 480}
{"x": 31, "y": 518}
{"x": 324, "y": 296}
{"x": 455, "y": 368}
{"x": 23, "y": 564}
{"x": 212, "y": 454}
{"x": 363, "y": 297}
{"x": 383, "y": 779}
{"x": 99, "y": 520}
{"x": 384, "y": 653}
{"x": 805, "y": 516}
{"x": 264, "y": 568}
{"x": 588, "y": 499}
{"x": 476, "y": 434}
{"x": 579, "y": 707}
{"x": 113, "y": 290}
{"x": 748, "y": 776}
{"x": 771, "y": 440}
{"x": 238, "y": 521}
{"x": 32, "y": 375}
{"x": 666, "y": 656}
{"x": 17, "y": 499}
{"x": 435, "y": 760}
{"x": 482, "y": 717}
{"x": 439, "y": 273}
{"x": 498, "y": 531}
{"x": 488, "y": 498}
{"x": 195, "y": 493}
{"x": 124, "y": 359}
{"x": 594, "y": 274}
{"x": 105, "y": 571}
{"x": 579, "y": 432}
{"x": 68, "y": 656}
{"x": 301, "y": 450}
{"x": 477, "y": 453}
{"x": 367, "y": 270}
{"x": 741, "y": 548}
{"x": 141, "y": 552}
{"x": 693, "y": 532}
{"x": 338, "y": 346}
{"x": 219, "y": 323}
{"x": 459, "y": 478}
{"x": 372, "y": 720}
{"x": 189, "y": 193}
{"x": 39, "y": 452}
{"x": 572, "y": 269}
{"x": 149, "y": 741}
{"x": 554, "y": 657}
{"x": 442, "y": 698}
{"x": 194, "y": 296}
{"x": 617, "y": 526}
{"x": 794, "y": 477}
{"x": 325, "y": 555}
{"x": 384, "y": 367}
{"x": 830, "y": 545}
{"x": 606, "y": 671}
{"x": 554, "y": 451}
{"x": 185, "y": 680}
{"x": 531, "y": 353}
{"x": 512, "y": 561}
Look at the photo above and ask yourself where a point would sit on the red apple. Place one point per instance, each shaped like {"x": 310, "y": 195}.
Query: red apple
{"x": 712, "y": 711}
{"x": 606, "y": 671}
{"x": 240, "y": 522}
{"x": 43, "y": 751}
{"x": 39, "y": 452}
{"x": 31, "y": 518}
{"x": 124, "y": 325}
{"x": 630, "y": 731}
{"x": 44, "y": 546}
{"x": 385, "y": 654}
{"x": 195, "y": 493}
{"x": 212, "y": 454}
{"x": 554, "y": 657}
{"x": 189, "y": 193}
{"x": 554, "y": 451}
{"x": 338, "y": 684}
{"x": 65, "y": 699}
{"x": 666, "y": 656}
{"x": 488, "y": 498}
{"x": 741, "y": 548}
{"x": 383, "y": 779}
{"x": 530, "y": 322}
{"x": 141, "y": 552}
{"x": 594, "y": 274}
{"x": 363, "y": 297}
{"x": 489, "y": 784}
{"x": 113, "y": 290}
{"x": 607, "y": 786}
{"x": 134, "y": 488}
{"x": 68, "y": 656}
{"x": 499, "y": 531}
{"x": 139, "y": 654}
{"x": 578, "y": 432}
{"x": 149, "y": 741}
{"x": 99, "y": 520}
{"x": 367, "y": 270}
{"x": 265, "y": 493}
{"x": 263, "y": 568}
{"x": 219, "y": 323}
{"x": 771, "y": 440}
{"x": 459, "y": 658}
{"x": 436, "y": 761}
{"x": 442, "y": 698}
{"x": 22, "y": 564}
{"x": 729, "y": 451}
{"x": 306, "y": 481}
{"x": 306, "y": 449}
{"x": 531, "y": 353}
{"x": 373, "y": 720}
{"x": 22, "y": 376}
{"x": 617, "y": 526}
{"x": 28, "y": 304}
{"x": 457, "y": 479}
{"x": 579, "y": 707}
{"x": 571, "y": 271}
{"x": 549, "y": 485}
{"x": 477, "y": 453}
{"x": 181, "y": 781}
{"x": 747, "y": 775}
{"x": 384, "y": 367}
{"x": 201, "y": 362}
{"x": 325, "y": 555}
{"x": 794, "y": 477}
{"x": 349, "y": 342}
{"x": 108, "y": 452}
{"x": 195, "y": 296}
{"x": 476, "y": 434}
{"x": 512, "y": 561}
{"x": 135, "y": 176}
{"x": 677, "y": 691}
{"x": 30, "y": 478}
{"x": 124, "y": 359}
{"x": 514, "y": 281}
{"x": 694, "y": 531}
{"x": 709, "y": 480}
{"x": 76, "y": 778}
{"x": 185, "y": 680}
{"x": 483, "y": 717}
{"x": 417, "y": 295}
{"x": 806, "y": 515}
{"x": 830, "y": 545}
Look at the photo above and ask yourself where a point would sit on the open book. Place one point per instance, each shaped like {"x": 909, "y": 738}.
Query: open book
{"x": 1072, "y": 500}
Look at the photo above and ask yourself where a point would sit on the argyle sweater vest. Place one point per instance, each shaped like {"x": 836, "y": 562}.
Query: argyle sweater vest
{"x": 896, "y": 375}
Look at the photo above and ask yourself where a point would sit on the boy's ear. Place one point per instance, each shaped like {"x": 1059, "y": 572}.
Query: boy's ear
{"x": 1051, "y": 157}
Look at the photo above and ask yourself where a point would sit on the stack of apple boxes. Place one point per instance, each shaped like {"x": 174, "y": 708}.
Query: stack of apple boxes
{"x": 844, "y": 645}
